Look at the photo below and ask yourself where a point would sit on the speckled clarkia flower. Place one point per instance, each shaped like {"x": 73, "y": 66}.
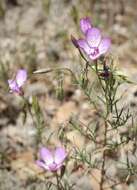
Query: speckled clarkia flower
{"x": 51, "y": 160}
{"x": 16, "y": 84}
{"x": 94, "y": 45}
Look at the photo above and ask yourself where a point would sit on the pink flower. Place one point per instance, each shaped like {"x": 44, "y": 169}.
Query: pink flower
{"x": 51, "y": 160}
{"x": 16, "y": 84}
{"x": 85, "y": 24}
{"x": 94, "y": 45}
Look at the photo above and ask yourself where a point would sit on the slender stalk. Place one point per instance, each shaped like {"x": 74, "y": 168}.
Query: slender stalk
{"x": 29, "y": 110}
{"x": 106, "y": 95}
{"x": 103, "y": 158}
{"x": 59, "y": 184}
{"x": 37, "y": 138}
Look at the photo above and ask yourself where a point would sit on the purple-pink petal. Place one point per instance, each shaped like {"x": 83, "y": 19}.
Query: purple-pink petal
{"x": 46, "y": 155}
{"x": 42, "y": 165}
{"x": 85, "y": 24}
{"x": 104, "y": 45}
{"x": 60, "y": 155}
{"x": 84, "y": 46}
{"x": 21, "y": 77}
{"x": 93, "y": 37}
{"x": 13, "y": 86}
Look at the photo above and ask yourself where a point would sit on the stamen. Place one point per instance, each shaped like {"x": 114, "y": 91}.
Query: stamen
{"x": 95, "y": 51}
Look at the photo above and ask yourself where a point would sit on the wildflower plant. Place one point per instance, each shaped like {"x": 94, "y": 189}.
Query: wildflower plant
{"x": 16, "y": 87}
{"x": 102, "y": 96}
{"x": 94, "y": 46}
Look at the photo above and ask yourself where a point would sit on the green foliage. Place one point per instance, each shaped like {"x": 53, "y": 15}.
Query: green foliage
{"x": 59, "y": 88}
{"x": 31, "y": 57}
{"x": 4, "y": 68}
{"x": 39, "y": 119}
{"x": 46, "y": 5}
{"x": 74, "y": 14}
{"x": 2, "y": 11}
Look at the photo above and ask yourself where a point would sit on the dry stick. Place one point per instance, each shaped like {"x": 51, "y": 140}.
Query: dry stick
{"x": 104, "y": 158}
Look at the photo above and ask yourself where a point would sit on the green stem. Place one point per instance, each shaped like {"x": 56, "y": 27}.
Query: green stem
{"x": 104, "y": 157}
{"x": 37, "y": 140}
{"x": 29, "y": 110}
{"x": 59, "y": 184}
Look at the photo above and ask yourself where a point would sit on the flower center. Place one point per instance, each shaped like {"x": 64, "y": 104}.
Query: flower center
{"x": 95, "y": 51}
{"x": 53, "y": 166}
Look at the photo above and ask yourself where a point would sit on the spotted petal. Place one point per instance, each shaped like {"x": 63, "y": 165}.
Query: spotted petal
{"x": 93, "y": 37}
{"x": 13, "y": 86}
{"x": 42, "y": 165}
{"x": 84, "y": 46}
{"x": 60, "y": 155}
{"x": 104, "y": 45}
{"x": 21, "y": 77}
{"x": 85, "y": 24}
{"x": 46, "y": 155}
